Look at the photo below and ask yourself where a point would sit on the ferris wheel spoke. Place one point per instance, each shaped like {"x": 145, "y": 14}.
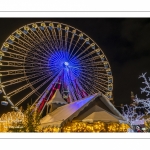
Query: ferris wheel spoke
{"x": 42, "y": 49}
{"x": 23, "y": 51}
{"x": 34, "y": 42}
{"x": 42, "y": 96}
{"x": 21, "y": 79}
{"x": 22, "y": 44}
{"x": 84, "y": 85}
{"x": 27, "y": 86}
{"x": 90, "y": 66}
{"x": 12, "y": 72}
{"x": 72, "y": 50}
{"x": 23, "y": 99}
{"x": 71, "y": 87}
{"x": 74, "y": 55}
{"x": 94, "y": 58}
{"x": 79, "y": 49}
{"x": 95, "y": 51}
{"x": 21, "y": 57}
{"x": 33, "y": 34}
{"x": 93, "y": 76}
{"x": 21, "y": 36}
{"x": 72, "y": 37}
{"x": 21, "y": 64}
{"x": 60, "y": 36}
{"x": 90, "y": 83}
{"x": 54, "y": 32}
{"x": 43, "y": 40}
{"x": 95, "y": 81}
{"x": 33, "y": 70}
{"x": 28, "y": 39}
{"x": 55, "y": 37}
{"x": 51, "y": 40}
{"x": 103, "y": 75}
{"x": 14, "y": 81}
{"x": 37, "y": 51}
{"x": 105, "y": 81}
{"x": 21, "y": 71}
{"x": 94, "y": 63}
{"x": 75, "y": 89}
{"x": 18, "y": 49}
{"x": 40, "y": 43}
{"x": 66, "y": 37}
{"x": 41, "y": 35}
{"x": 79, "y": 89}
{"x": 102, "y": 85}
{"x": 90, "y": 69}
{"x": 72, "y": 92}
{"x": 14, "y": 56}
{"x": 100, "y": 82}
{"x": 101, "y": 89}
{"x": 54, "y": 40}
{"x": 84, "y": 51}
{"x": 31, "y": 59}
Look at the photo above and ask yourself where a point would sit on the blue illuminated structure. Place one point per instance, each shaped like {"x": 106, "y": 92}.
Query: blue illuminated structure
{"x": 70, "y": 68}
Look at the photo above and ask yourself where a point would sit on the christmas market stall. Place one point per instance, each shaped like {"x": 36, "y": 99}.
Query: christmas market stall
{"x": 94, "y": 113}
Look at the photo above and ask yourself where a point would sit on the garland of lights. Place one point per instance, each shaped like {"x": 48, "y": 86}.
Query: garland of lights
{"x": 88, "y": 127}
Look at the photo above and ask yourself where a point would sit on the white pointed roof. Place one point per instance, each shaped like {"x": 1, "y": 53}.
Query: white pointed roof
{"x": 67, "y": 112}
{"x": 57, "y": 98}
{"x": 56, "y": 117}
{"x": 101, "y": 116}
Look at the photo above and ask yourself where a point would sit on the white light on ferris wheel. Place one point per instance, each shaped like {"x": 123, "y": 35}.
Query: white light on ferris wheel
{"x": 66, "y": 63}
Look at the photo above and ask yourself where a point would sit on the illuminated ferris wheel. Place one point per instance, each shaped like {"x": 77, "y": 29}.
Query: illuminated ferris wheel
{"x": 42, "y": 57}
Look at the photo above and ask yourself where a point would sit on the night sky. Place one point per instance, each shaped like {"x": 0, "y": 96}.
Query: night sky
{"x": 125, "y": 42}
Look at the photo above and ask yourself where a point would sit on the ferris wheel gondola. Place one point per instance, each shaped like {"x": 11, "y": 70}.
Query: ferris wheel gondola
{"x": 41, "y": 57}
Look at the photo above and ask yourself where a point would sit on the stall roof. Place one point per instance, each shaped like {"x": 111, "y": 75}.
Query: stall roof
{"x": 101, "y": 116}
{"x": 57, "y": 98}
{"x": 67, "y": 112}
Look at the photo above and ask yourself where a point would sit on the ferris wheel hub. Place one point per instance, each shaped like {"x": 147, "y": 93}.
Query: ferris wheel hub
{"x": 66, "y": 63}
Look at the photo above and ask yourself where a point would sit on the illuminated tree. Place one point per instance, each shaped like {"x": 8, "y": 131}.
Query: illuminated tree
{"x": 31, "y": 120}
{"x": 30, "y": 123}
{"x": 131, "y": 113}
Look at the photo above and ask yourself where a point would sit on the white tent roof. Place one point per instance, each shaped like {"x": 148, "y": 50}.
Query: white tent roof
{"x": 64, "y": 112}
{"x": 57, "y": 98}
{"x": 101, "y": 116}
{"x": 69, "y": 111}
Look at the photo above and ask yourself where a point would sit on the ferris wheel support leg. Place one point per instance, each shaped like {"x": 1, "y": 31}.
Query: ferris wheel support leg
{"x": 43, "y": 108}
{"x": 47, "y": 109}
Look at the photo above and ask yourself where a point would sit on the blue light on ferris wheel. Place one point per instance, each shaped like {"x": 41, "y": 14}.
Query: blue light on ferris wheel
{"x": 66, "y": 63}
{"x": 60, "y": 60}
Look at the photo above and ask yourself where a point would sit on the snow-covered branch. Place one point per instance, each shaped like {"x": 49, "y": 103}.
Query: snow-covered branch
{"x": 146, "y": 89}
{"x": 131, "y": 113}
